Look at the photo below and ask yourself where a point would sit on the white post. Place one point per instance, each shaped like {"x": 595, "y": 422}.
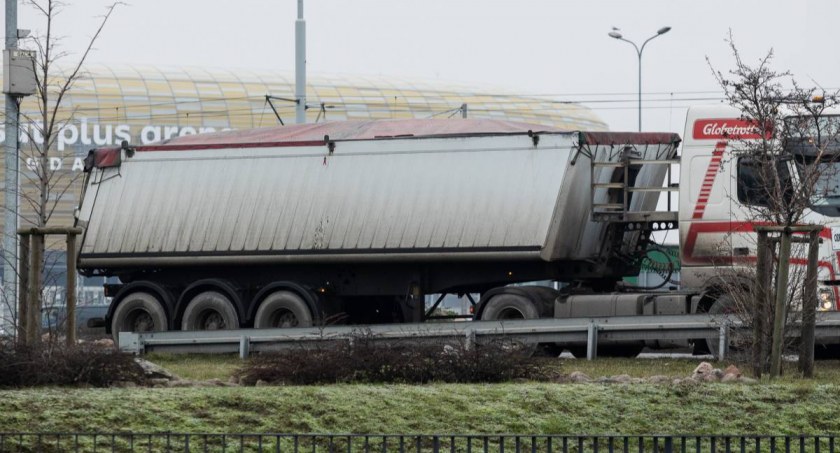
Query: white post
{"x": 592, "y": 341}
{"x": 300, "y": 65}
{"x": 8, "y": 310}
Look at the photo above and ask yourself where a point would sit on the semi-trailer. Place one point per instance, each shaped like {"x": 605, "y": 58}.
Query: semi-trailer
{"x": 355, "y": 222}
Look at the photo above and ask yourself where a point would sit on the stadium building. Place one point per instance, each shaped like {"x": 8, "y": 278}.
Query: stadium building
{"x": 142, "y": 104}
{"x": 145, "y": 104}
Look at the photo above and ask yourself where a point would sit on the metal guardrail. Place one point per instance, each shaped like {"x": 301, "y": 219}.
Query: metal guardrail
{"x": 409, "y": 443}
{"x": 572, "y": 330}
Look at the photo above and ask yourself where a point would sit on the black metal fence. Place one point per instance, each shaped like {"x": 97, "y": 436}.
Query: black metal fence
{"x": 354, "y": 443}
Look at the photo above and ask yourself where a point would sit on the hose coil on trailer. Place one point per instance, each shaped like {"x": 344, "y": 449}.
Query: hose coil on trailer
{"x": 663, "y": 269}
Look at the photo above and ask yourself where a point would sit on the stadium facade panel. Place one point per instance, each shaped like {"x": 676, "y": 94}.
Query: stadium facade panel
{"x": 145, "y": 104}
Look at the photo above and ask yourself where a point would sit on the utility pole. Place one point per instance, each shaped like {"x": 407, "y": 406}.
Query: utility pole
{"x": 10, "y": 189}
{"x": 300, "y": 65}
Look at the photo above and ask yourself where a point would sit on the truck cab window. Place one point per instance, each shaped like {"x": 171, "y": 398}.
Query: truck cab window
{"x": 756, "y": 189}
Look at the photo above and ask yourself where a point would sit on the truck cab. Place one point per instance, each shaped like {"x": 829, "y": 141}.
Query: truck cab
{"x": 719, "y": 189}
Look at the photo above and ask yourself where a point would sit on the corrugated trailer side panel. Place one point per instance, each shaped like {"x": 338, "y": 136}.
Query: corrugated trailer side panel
{"x": 485, "y": 194}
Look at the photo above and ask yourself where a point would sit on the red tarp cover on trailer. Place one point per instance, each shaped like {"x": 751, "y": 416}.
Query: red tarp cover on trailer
{"x": 314, "y": 135}
{"x": 361, "y": 130}
{"x": 629, "y": 138}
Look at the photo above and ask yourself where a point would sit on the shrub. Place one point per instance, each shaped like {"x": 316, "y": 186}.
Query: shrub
{"x": 365, "y": 359}
{"x": 52, "y": 364}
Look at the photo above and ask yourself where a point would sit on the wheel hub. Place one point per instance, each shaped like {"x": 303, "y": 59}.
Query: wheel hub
{"x": 212, "y": 320}
{"x": 285, "y": 319}
{"x": 143, "y": 322}
{"x": 511, "y": 313}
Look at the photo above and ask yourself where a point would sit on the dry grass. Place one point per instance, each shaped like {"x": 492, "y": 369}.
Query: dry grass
{"x": 49, "y": 364}
{"x": 370, "y": 361}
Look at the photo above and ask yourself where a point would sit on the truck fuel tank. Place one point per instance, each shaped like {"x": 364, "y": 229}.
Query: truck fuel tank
{"x": 625, "y": 304}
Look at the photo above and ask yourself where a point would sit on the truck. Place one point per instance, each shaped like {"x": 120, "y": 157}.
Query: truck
{"x": 355, "y": 222}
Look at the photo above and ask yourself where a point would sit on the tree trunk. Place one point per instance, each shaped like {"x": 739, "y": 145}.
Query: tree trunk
{"x": 36, "y": 264}
{"x": 781, "y": 300}
{"x": 809, "y": 308}
{"x": 761, "y": 302}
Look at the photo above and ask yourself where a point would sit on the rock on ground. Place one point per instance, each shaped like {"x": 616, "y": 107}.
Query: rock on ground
{"x": 154, "y": 371}
{"x": 659, "y": 379}
{"x": 732, "y": 370}
{"x": 729, "y": 378}
{"x": 704, "y": 369}
{"x": 621, "y": 379}
{"x": 578, "y": 376}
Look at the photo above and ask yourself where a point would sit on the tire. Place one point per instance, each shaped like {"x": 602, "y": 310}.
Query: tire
{"x": 509, "y": 306}
{"x": 546, "y": 297}
{"x": 512, "y": 307}
{"x": 283, "y": 309}
{"x": 138, "y": 312}
{"x": 210, "y": 310}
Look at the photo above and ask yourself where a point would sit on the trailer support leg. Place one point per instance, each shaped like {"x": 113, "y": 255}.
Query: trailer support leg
{"x": 470, "y": 298}
{"x": 592, "y": 341}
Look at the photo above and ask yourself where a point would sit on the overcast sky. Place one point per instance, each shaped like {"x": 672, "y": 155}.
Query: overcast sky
{"x": 542, "y": 47}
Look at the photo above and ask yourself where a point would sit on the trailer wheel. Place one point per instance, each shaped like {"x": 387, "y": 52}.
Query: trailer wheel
{"x": 283, "y": 309}
{"x": 138, "y": 312}
{"x": 210, "y": 310}
{"x": 509, "y": 307}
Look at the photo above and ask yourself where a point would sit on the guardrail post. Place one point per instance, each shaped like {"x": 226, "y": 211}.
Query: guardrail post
{"x": 244, "y": 346}
{"x": 592, "y": 341}
{"x": 723, "y": 343}
{"x": 131, "y": 342}
{"x": 469, "y": 343}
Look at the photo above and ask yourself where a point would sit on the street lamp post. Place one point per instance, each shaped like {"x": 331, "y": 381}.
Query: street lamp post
{"x": 639, "y": 50}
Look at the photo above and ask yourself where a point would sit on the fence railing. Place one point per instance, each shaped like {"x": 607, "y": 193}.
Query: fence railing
{"x": 586, "y": 331}
{"x": 350, "y": 443}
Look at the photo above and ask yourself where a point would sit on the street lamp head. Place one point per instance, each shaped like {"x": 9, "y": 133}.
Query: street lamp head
{"x": 663, "y": 30}
{"x": 615, "y": 34}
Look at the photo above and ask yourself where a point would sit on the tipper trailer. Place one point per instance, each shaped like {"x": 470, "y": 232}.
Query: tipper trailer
{"x": 354, "y": 222}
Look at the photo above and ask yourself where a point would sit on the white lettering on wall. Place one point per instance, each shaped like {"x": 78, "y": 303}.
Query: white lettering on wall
{"x": 91, "y": 135}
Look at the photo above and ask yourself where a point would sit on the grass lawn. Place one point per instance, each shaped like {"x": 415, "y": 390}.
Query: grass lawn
{"x": 448, "y": 408}
{"x": 202, "y": 367}
{"x": 790, "y": 406}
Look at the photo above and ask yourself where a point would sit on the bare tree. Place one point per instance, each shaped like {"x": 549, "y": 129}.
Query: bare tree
{"x": 56, "y": 71}
{"x": 787, "y": 164}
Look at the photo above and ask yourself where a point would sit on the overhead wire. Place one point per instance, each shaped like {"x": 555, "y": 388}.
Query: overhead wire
{"x": 496, "y": 102}
{"x": 503, "y": 100}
